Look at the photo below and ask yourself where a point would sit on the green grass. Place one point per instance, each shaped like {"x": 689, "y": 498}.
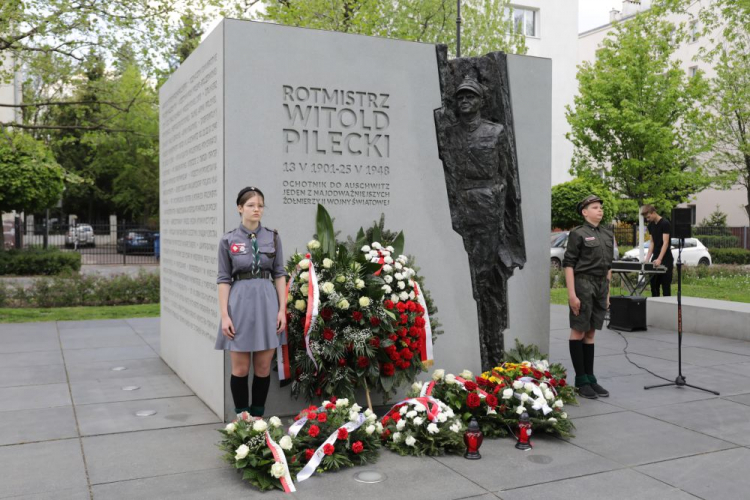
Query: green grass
{"x": 23, "y": 315}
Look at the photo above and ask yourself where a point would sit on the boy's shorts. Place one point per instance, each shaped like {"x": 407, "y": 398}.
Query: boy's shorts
{"x": 592, "y": 292}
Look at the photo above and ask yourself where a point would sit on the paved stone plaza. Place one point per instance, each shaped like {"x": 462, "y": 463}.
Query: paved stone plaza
{"x": 68, "y": 430}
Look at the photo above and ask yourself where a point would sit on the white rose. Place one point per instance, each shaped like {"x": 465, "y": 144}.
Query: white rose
{"x": 364, "y": 301}
{"x": 403, "y": 410}
{"x": 359, "y": 284}
{"x": 376, "y": 245}
{"x": 327, "y": 263}
{"x": 278, "y": 470}
{"x": 401, "y": 424}
{"x": 328, "y": 288}
{"x": 304, "y": 276}
{"x": 313, "y": 244}
{"x": 433, "y": 429}
{"x": 450, "y": 379}
{"x": 398, "y": 266}
{"x": 466, "y": 375}
{"x": 438, "y": 374}
{"x": 412, "y": 295}
{"x": 353, "y": 416}
{"x": 563, "y": 415}
{"x": 396, "y": 437}
{"x": 403, "y": 296}
{"x": 343, "y": 304}
{"x": 420, "y": 408}
{"x": 442, "y": 417}
{"x": 552, "y": 420}
{"x": 379, "y": 428}
{"x": 388, "y": 260}
{"x": 357, "y": 408}
{"x": 285, "y": 443}
{"x": 410, "y": 441}
{"x": 326, "y": 402}
{"x": 548, "y": 395}
{"x": 411, "y": 414}
{"x": 275, "y": 422}
{"x": 230, "y": 428}
{"x": 398, "y": 276}
{"x": 416, "y": 386}
{"x": 366, "y": 249}
{"x": 558, "y": 403}
{"x": 304, "y": 289}
{"x": 260, "y": 425}
{"x": 543, "y": 386}
{"x": 388, "y": 279}
{"x": 371, "y": 417}
{"x": 401, "y": 285}
{"x": 394, "y": 297}
{"x": 456, "y": 427}
{"x": 528, "y": 387}
{"x": 370, "y": 429}
{"x": 368, "y": 412}
{"x": 342, "y": 403}
{"x": 241, "y": 452}
{"x": 387, "y": 268}
{"x": 385, "y": 252}
{"x": 524, "y": 397}
{"x": 508, "y": 393}
{"x": 520, "y": 410}
{"x": 300, "y": 305}
{"x": 340, "y": 278}
{"x": 418, "y": 420}
{"x": 517, "y": 384}
{"x": 304, "y": 263}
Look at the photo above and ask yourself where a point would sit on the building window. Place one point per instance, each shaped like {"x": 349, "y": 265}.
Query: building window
{"x": 692, "y": 71}
{"x": 525, "y": 21}
{"x": 694, "y": 31}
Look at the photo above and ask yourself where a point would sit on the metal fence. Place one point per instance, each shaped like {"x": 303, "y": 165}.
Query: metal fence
{"x": 123, "y": 243}
{"x": 711, "y": 237}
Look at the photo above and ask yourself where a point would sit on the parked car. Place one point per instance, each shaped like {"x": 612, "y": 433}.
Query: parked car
{"x": 80, "y": 235}
{"x": 558, "y": 242}
{"x": 694, "y": 253}
{"x": 136, "y": 241}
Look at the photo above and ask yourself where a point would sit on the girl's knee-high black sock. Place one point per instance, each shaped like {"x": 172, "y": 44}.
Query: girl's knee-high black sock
{"x": 260, "y": 393}
{"x": 240, "y": 393}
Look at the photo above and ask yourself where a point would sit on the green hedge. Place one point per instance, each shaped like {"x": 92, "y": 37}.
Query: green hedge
{"x": 712, "y": 241}
{"x": 82, "y": 290}
{"x": 730, "y": 256}
{"x": 38, "y": 261}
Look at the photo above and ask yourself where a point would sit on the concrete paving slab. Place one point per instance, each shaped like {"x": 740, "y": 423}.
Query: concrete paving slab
{"x": 742, "y": 399}
{"x": 633, "y": 439}
{"x": 102, "y": 370}
{"x": 63, "y": 468}
{"x": 140, "y": 324}
{"x": 701, "y": 357}
{"x": 591, "y": 407}
{"x": 713, "y": 476}
{"x": 109, "y": 418}
{"x": 31, "y": 375}
{"x": 91, "y": 323}
{"x": 550, "y": 459}
{"x": 96, "y": 339}
{"x": 627, "y": 392}
{"x": 136, "y": 455}
{"x": 64, "y": 494}
{"x": 618, "y": 365}
{"x": 34, "y": 397}
{"x": 721, "y": 379}
{"x": 39, "y": 358}
{"x": 726, "y": 420}
{"x": 14, "y": 329}
{"x": 79, "y": 356}
{"x": 111, "y": 390}
{"x": 615, "y": 485}
{"x": 29, "y": 342}
{"x": 28, "y": 426}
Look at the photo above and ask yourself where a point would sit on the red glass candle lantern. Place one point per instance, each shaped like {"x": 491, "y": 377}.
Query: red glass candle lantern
{"x": 473, "y": 438}
{"x": 524, "y": 432}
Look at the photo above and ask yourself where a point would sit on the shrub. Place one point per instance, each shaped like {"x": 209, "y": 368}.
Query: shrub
{"x": 37, "y": 261}
{"x": 730, "y": 256}
{"x": 717, "y": 241}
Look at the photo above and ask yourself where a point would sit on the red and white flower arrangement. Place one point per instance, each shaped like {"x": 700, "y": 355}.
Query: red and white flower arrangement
{"x": 422, "y": 426}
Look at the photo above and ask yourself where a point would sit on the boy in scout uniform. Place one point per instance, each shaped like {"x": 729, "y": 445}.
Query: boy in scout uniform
{"x": 588, "y": 271}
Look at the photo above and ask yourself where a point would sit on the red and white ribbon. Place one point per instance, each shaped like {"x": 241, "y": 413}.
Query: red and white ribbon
{"x": 311, "y": 317}
{"x": 425, "y": 342}
{"x": 309, "y": 469}
{"x": 432, "y": 405}
{"x": 299, "y": 424}
{"x": 278, "y": 455}
{"x": 427, "y": 389}
{"x": 537, "y": 391}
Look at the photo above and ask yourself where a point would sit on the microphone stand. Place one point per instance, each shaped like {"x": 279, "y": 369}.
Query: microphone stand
{"x": 680, "y": 380}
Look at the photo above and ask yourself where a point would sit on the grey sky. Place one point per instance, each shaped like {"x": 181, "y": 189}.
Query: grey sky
{"x": 595, "y": 13}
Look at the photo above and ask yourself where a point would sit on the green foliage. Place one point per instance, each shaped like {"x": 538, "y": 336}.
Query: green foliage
{"x": 717, "y": 218}
{"x": 637, "y": 122}
{"x": 325, "y": 233}
{"x": 85, "y": 290}
{"x": 730, "y": 256}
{"x": 30, "y": 178}
{"x": 486, "y": 25}
{"x": 565, "y": 199}
{"x": 715, "y": 241}
{"x": 37, "y": 261}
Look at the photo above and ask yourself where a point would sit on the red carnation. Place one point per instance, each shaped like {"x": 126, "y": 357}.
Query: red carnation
{"x": 563, "y": 383}
{"x": 388, "y": 304}
{"x": 470, "y": 386}
{"x": 404, "y": 319}
{"x": 312, "y": 415}
{"x": 388, "y": 369}
{"x": 401, "y": 307}
{"x": 420, "y": 309}
{"x": 375, "y": 342}
{"x": 537, "y": 374}
{"x": 363, "y": 361}
{"x": 357, "y": 447}
{"x": 525, "y": 370}
{"x": 547, "y": 374}
{"x": 328, "y": 334}
{"x": 394, "y": 355}
{"x": 411, "y": 306}
{"x": 323, "y": 417}
{"x": 491, "y": 401}
{"x": 473, "y": 400}
{"x": 385, "y": 420}
{"x": 403, "y": 364}
{"x": 553, "y": 382}
{"x": 396, "y": 416}
{"x": 309, "y": 454}
{"x": 328, "y": 449}
{"x": 415, "y": 332}
{"x": 333, "y": 399}
{"x": 385, "y": 434}
{"x": 374, "y": 321}
{"x": 402, "y": 332}
{"x": 326, "y": 313}
{"x": 482, "y": 381}
{"x": 406, "y": 353}
{"x": 419, "y": 322}
{"x": 313, "y": 431}
{"x": 342, "y": 362}
{"x": 357, "y": 316}
{"x": 393, "y": 337}
{"x": 343, "y": 434}
{"x": 330, "y": 406}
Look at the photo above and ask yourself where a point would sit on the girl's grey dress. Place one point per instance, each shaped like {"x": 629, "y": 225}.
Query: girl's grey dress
{"x": 253, "y": 303}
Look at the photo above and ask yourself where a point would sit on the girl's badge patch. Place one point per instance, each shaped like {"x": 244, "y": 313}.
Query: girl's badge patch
{"x": 590, "y": 238}
{"x": 237, "y": 248}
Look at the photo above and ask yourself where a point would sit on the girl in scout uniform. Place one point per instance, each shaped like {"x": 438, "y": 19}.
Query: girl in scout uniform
{"x": 588, "y": 271}
{"x": 252, "y": 289}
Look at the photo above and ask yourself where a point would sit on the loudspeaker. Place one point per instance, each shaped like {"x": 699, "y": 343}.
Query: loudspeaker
{"x": 627, "y": 313}
{"x": 681, "y": 219}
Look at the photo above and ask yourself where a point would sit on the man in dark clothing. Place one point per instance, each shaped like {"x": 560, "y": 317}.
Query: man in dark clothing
{"x": 660, "y": 249}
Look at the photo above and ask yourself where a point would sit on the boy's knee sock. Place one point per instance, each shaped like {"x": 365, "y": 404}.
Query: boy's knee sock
{"x": 576, "y": 356}
{"x": 240, "y": 393}
{"x": 588, "y": 362}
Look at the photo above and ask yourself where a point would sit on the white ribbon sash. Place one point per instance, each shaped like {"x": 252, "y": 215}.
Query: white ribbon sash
{"x": 540, "y": 403}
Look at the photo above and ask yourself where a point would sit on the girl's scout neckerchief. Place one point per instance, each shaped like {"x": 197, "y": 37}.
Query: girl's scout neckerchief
{"x": 256, "y": 255}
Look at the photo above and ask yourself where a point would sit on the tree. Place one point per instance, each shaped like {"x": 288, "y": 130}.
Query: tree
{"x": 486, "y": 27}
{"x": 30, "y": 178}
{"x": 637, "y": 123}
{"x": 565, "y": 199}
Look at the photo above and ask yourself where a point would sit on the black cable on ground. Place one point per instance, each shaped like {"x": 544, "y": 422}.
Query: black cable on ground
{"x": 625, "y": 351}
